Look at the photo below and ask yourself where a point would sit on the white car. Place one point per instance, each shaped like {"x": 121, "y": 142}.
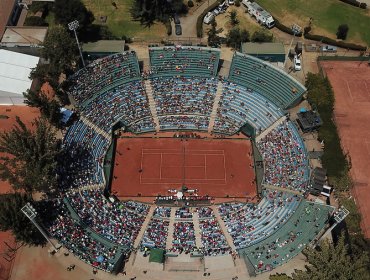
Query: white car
{"x": 297, "y": 63}
{"x": 216, "y": 12}
{"x": 231, "y": 2}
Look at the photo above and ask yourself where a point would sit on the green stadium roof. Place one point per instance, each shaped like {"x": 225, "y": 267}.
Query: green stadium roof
{"x": 156, "y": 255}
{"x": 263, "y": 48}
{"x": 104, "y": 46}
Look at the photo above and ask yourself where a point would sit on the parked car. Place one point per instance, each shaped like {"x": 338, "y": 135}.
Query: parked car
{"x": 176, "y": 19}
{"x": 223, "y": 7}
{"x": 231, "y": 2}
{"x": 208, "y": 18}
{"x": 328, "y": 48}
{"x": 216, "y": 11}
{"x": 178, "y": 29}
{"x": 297, "y": 63}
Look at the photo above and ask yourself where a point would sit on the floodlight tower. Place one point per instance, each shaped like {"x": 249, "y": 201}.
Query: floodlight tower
{"x": 31, "y": 214}
{"x": 73, "y": 26}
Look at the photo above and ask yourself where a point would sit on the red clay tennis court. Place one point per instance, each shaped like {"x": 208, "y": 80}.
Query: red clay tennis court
{"x": 152, "y": 166}
{"x": 351, "y": 84}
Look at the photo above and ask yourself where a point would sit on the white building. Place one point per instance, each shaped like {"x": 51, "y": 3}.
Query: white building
{"x": 15, "y": 69}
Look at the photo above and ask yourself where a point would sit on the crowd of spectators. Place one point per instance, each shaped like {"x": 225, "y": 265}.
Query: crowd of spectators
{"x": 184, "y": 95}
{"x": 302, "y": 228}
{"x": 144, "y": 125}
{"x": 285, "y": 158}
{"x": 270, "y": 81}
{"x": 84, "y": 150}
{"x": 80, "y": 241}
{"x": 183, "y": 122}
{"x": 126, "y": 102}
{"x": 183, "y": 213}
{"x": 162, "y": 212}
{"x": 119, "y": 222}
{"x": 239, "y": 105}
{"x": 183, "y": 238}
{"x": 155, "y": 235}
{"x": 102, "y": 73}
{"x": 183, "y": 60}
{"x": 213, "y": 240}
{"x": 251, "y": 223}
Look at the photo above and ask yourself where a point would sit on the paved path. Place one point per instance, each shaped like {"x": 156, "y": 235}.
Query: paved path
{"x": 171, "y": 228}
{"x": 198, "y": 237}
{"x": 149, "y": 92}
{"x": 95, "y": 127}
{"x": 189, "y": 22}
{"x": 223, "y": 227}
{"x": 270, "y": 128}
{"x": 215, "y": 107}
{"x": 144, "y": 226}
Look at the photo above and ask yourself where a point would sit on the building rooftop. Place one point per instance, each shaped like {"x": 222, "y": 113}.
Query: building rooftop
{"x": 15, "y": 69}
{"x": 263, "y": 48}
{"x": 25, "y": 35}
{"x": 104, "y": 46}
{"x": 5, "y": 11}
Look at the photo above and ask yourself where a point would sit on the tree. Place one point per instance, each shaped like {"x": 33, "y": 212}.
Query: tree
{"x": 30, "y": 159}
{"x": 35, "y": 21}
{"x": 233, "y": 18}
{"x": 279, "y": 276}
{"x": 50, "y": 109}
{"x": 67, "y": 11}
{"x": 261, "y": 36}
{"x": 12, "y": 218}
{"x": 213, "y": 38}
{"x": 148, "y": 11}
{"x": 60, "y": 48}
{"x": 333, "y": 262}
{"x": 236, "y": 37}
{"x": 342, "y": 31}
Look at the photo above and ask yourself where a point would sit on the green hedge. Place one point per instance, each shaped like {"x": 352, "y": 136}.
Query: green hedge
{"x": 355, "y": 3}
{"x": 201, "y": 17}
{"x": 333, "y": 42}
{"x": 285, "y": 28}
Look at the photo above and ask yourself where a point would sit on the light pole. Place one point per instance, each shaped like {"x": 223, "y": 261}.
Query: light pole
{"x": 73, "y": 26}
{"x": 31, "y": 214}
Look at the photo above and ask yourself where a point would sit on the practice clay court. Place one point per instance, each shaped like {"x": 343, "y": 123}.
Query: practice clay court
{"x": 152, "y": 166}
{"x": 351, "y": 84}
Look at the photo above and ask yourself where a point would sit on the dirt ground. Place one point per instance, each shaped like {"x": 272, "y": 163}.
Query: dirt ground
{"x": 351, "y": 85}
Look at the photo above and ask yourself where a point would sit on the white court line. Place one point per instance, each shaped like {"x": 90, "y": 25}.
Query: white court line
{"x": 205, "y": 166}
{"x": 350, "y": 92}
{"x": 160, "y": 168}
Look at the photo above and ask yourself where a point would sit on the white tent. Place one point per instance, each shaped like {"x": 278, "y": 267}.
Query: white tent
{"x": 15, "y": 69}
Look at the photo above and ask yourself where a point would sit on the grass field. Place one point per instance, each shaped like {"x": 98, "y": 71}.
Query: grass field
{"x": 120, "y": 21}
{"x": 327, "y": 16}
{"x": 245, "y": 21}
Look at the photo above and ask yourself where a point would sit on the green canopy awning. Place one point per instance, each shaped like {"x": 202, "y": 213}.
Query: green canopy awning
{"x": 156, "y": 255}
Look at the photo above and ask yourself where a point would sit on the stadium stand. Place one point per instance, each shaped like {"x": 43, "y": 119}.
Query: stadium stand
{"x": 84, "y": 150}
{"x": 82, "y": 242}
{"x": 239, "y": 105}
{"x": 285, "y": 158}
{"x": 119, "y": 222}
{"x": 183, "y": 84}
{"x": 184, "y": 95}
{"x": 184, "y": 61}
{"x": 300, "y": 230}
{"x": 187, "y": 122}
{"x": 103, "y": 74}
{"x": 155, "y": 235}
{"x": 213, "y": 240}
{"x": 127, "y": 102}
{"x": 266, "y": 79}
{"x": 252, "y": 223}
